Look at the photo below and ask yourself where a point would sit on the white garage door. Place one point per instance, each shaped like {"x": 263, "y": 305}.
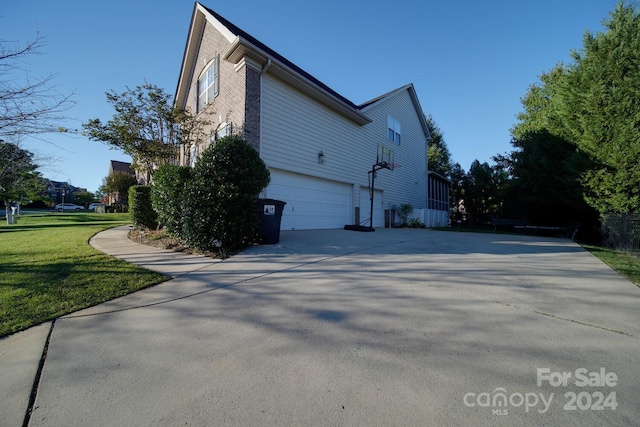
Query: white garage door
{"x": 365, "y": 207}
{"x": 312, "y": 203}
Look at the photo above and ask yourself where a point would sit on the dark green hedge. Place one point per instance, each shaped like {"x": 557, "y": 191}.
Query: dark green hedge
{"x": 167, "y": 196}
{"x": 140, "y": 209}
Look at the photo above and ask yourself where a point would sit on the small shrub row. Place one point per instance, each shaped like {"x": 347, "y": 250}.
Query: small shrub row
{"x": 210, "y": 207}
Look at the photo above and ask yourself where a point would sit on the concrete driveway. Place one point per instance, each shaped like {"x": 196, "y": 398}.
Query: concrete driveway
{"x": 397, "y": 327}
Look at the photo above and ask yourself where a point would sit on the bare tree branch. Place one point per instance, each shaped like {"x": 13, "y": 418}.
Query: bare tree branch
{"x": 27, "y": 106}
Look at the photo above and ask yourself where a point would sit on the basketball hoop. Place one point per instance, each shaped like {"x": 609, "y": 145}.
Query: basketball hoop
{"x": 387, "y": 165}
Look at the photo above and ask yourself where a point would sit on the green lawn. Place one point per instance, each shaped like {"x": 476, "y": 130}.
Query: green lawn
{"x": 48, "y": 269}
{"x": 627, "y": 265}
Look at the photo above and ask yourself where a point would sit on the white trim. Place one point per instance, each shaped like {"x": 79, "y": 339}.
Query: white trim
{"x": 216, "y": 24}
{"x": 249, "y": 63}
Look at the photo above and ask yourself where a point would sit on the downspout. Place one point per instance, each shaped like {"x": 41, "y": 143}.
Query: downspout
{"x": 266, "y": 67}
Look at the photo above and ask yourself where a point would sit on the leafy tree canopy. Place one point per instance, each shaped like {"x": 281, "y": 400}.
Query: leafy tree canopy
{"x": 484, "y": 187}
{"x": 118, "y": 183}
{"x": 600, "y": 110}
{"x": 18, "y": 176}
{"x": 147, "y": 127}
{"x": 578, "y": 136}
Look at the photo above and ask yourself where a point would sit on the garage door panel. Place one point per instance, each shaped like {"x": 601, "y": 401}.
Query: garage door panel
{"x": 312, "y": 203}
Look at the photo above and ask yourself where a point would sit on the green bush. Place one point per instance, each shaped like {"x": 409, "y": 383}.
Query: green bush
{"x": 220, "y": 212}
{"x": 140, "y": 209}
{"x": 415, "y": 223}
{"x": 404, "y": 211}
{"x": 167, "y": 196}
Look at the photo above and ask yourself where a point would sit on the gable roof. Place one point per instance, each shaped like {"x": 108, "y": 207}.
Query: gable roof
{"x": 414, "y": 99}
{"x": 117, "y": 166}
{"x": 243, "y": 45}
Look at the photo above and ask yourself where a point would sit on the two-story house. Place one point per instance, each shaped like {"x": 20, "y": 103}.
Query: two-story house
{"x": 319, "y": 146}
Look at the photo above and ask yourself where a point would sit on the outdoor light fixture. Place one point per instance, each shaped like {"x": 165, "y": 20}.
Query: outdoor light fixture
{"x": 320, "y": 157}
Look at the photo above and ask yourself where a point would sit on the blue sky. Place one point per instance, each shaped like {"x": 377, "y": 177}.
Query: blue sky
{"x": 469, "y": 61}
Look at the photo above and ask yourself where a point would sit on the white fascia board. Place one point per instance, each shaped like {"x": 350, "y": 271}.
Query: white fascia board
{"x": 216, "y": 24}
{"x": 188, "y": 59}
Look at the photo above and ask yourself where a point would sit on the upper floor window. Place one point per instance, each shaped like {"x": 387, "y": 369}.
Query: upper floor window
{"x": 209, "y": 84}
{"x": 393, "y": 130}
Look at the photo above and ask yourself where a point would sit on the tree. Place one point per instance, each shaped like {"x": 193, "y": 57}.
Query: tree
{"x": 147, "y": 127}
{"x": 541, "y": 107}
{"x": 220, "y": 203}
{"x": 85, "y": 198}
{"x": 27, "y": 105}
{"x": 18, "y": 176}
{"x": 117, "y": 184}
{"x": 458, "y": 176}
{"x": 438, "y": 155}
{"x": 545, "y": 180}
{"x": 600, "y": 111}
{"x": 484, "y": 188}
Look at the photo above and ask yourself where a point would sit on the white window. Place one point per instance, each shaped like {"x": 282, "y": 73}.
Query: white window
{"x": 209, "y": 84}
{"x": 225, "y": 130}
{"x": 193, "y": 155}
{"x": 393, "y": 130}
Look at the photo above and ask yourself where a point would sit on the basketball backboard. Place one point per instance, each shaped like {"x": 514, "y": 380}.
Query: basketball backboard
{"x": 385, "y": 157}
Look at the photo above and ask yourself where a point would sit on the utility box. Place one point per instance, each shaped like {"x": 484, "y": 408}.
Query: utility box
{"x": 269, "y": 218}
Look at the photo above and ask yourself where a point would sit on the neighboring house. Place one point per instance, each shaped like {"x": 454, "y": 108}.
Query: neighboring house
{"x": 117, "y": 166}
{"x": 318, "y": 145}
{"x": 60, "y": 191}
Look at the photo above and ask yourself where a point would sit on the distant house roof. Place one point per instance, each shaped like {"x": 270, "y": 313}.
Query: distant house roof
{"x": 116, "y": 166}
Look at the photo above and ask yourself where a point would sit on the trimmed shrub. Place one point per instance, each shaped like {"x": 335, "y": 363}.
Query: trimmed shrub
{"x": 140, "y": 210}
{"x": 167, "y": 196}
{"x": 404, "y": 211}
{"x": 220, "y": 210}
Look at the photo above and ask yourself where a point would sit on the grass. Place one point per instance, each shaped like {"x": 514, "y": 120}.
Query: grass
{"x": 48, "y": 269}
{"x": 626, "y": 264}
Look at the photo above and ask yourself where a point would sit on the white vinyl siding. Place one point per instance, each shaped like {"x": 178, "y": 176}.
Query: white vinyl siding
{"x": 295, "y": 128}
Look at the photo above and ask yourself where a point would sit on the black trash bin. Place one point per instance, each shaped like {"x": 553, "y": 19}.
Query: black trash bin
{"x": 270, "y": 215}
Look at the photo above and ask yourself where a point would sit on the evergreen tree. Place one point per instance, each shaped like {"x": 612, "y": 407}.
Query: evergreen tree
{"x": 438, "y": 155}
{"x": 599, "y": 107}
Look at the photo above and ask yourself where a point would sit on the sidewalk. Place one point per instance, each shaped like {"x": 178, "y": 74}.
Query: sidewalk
{"x": 20, "y": 353}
